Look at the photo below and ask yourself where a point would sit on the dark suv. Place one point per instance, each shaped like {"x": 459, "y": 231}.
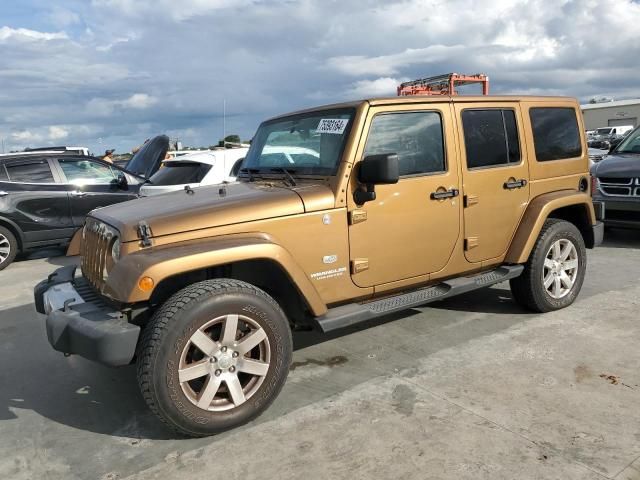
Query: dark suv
{"x": 45, "y": 194}
{"x": 44, "y": 197}
{"x": 616, "y": 184}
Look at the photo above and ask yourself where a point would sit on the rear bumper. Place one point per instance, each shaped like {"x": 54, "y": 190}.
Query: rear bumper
{"x": 79, "y": 322}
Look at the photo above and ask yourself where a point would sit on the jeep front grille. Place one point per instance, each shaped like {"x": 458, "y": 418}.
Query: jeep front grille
{"x": 95, "y": 251}
{"x": 620, "y": 187}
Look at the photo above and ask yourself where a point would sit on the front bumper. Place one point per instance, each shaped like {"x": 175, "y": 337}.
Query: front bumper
{"x": 79, "y": 322}
{"x": 618, "y": 212}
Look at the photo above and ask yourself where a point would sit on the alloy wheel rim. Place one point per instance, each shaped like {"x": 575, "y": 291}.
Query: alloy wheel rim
{"x": 5, "y": 248}
{"x": 560, "y": 268}
{"x": 224, "y": 363}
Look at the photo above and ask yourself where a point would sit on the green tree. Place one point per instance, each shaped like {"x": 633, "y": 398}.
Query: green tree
{"x": 229, "y": 139}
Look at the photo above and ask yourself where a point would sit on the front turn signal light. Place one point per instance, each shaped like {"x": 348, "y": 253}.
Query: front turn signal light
{"x": 146, "y": 284}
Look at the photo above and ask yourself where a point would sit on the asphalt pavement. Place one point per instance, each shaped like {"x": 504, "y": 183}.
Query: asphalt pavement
{"x": 472, "y": 387}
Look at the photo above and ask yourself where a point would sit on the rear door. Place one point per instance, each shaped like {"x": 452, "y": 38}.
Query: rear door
{"x": 91, "y": 184}
{"x": 36, "y": 201}
{"x": 495, "y": 176}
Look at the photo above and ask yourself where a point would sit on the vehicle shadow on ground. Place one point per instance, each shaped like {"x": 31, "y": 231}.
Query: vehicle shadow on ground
{"x": 621, "y": 238}
{"x": 53, "y": 255}
{"x": 78, "y": 393}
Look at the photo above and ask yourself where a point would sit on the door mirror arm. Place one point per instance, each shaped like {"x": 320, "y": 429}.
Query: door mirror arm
{"x": 363, "y": 196}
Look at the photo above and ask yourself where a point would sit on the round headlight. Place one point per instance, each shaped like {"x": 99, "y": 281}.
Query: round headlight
{"x": 115, "y": 250}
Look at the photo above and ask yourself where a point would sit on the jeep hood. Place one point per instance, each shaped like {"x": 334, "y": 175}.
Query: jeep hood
{"x": 212, "y": 206}
{"x": 618, "y": 165}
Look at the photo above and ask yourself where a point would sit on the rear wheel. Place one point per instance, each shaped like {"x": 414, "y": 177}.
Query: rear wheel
{"x": 8, "y": 247}
{"x": 554, "y": 273}
{"x": 214, "y": 356}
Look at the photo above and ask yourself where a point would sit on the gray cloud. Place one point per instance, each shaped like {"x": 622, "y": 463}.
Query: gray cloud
{"x": 123, "y": 70}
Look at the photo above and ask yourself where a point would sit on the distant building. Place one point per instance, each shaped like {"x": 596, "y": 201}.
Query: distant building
{"x": 611, "y": 114}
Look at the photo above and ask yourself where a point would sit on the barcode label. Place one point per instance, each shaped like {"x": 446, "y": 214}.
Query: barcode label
{"x": 332, "y": 125}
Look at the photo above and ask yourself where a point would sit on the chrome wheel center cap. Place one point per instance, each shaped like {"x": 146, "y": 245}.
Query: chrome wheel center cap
{"x": 225, "y": 360}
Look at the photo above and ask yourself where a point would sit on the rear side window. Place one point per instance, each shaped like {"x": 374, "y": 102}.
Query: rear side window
{"x": 3, "y": 174}
{"x": 179, "y": 173}
{"x": 490, "y": 137}
{"x": 416, "y": 137}
{"x": 555, "y": 133}
{"x": 31, "y": 172}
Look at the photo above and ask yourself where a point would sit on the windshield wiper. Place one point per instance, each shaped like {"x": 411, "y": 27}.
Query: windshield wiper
{"x": 250, "y": 172}
{"x": 287, "y": 173}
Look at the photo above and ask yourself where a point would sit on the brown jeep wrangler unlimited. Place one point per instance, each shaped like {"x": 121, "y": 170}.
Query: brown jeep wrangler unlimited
{"x": 341, "y": 214}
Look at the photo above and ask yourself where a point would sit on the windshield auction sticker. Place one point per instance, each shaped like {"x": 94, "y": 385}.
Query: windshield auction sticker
{"x": 332, "y": 125}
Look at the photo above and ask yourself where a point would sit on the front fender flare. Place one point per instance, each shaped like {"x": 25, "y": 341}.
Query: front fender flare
{"x": 160, "y": 263}
{"x": 537, "y": 212}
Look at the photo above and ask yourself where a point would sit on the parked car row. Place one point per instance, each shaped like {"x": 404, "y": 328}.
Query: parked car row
{"x": 616, "y": 184}
{"x": 607, "y": 137}
{"x": 45, "y": 194}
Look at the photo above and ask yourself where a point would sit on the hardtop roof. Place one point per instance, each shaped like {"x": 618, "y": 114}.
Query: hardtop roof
{"x": 414, "y": 99}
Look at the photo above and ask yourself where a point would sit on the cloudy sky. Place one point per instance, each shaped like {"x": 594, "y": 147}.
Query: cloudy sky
{"x": 110, "y": 73}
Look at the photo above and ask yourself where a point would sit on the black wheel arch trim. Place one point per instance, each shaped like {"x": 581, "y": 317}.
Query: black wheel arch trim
{"x": 15, "y": 229}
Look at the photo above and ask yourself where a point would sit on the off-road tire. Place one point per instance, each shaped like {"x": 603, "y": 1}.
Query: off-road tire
{"x": 7, "y": 240}
{"x": 528, "y": 289}
{"x": 168, "y": 332}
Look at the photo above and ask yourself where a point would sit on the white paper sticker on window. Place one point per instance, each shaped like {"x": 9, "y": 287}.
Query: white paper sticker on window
{"x": 332, "y": 125}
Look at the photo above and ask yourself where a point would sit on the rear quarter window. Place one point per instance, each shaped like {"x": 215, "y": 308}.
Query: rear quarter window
{"x": 37, "y": 171}
{"x": 556, "y": 135}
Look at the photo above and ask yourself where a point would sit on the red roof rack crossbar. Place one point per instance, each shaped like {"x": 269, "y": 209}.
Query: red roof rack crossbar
{"x": 442, "y": 84}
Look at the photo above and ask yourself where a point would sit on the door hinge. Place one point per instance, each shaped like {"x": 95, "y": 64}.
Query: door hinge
{"x": 470, "y": 242}
{"x": 470, "y": 200}
{"x": 359, "y": 265}
{"x": 357, "y": 216}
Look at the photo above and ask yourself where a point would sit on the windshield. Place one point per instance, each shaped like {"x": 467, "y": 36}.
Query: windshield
{"x": 179, "y": 173}
{"x": 603, "y": 131}
{"x": 309, "y": 143}
{"x": 631, "y": 144}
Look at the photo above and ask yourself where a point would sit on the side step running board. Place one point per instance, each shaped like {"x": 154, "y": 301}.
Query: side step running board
{"x": 350, "y": 314}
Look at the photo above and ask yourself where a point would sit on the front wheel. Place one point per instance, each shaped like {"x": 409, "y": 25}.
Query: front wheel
{"x": 214, "y": 356}
{"x": 554, "y": 273}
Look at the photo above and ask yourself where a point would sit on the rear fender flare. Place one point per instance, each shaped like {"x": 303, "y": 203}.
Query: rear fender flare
{"x": 537, "y": 212}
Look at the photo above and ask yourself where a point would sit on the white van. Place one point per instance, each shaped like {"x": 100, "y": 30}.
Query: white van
{"x": 614, "y": 132}
{"x": 195, "y": 169}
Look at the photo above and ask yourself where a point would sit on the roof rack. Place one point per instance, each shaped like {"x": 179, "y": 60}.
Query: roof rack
{"x": 42, "y": 149}
{"x": 442, "y": 84}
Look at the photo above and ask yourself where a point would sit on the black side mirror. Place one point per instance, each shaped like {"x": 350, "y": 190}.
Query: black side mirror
{"x": 121, "y": 182}
{"x": 374, "y": 170}
{"x": 379, "y": 169}
{"x": 614, "y": 144}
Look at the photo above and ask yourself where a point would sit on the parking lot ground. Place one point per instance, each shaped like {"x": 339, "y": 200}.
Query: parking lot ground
{"x": 472, "y": 387}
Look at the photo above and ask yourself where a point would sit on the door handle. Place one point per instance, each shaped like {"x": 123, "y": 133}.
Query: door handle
{"x": 78, "y": 193}
{"x": 513, "y": 183}
{"x": 3, "y": 193}
{"x": 454, "y": 192}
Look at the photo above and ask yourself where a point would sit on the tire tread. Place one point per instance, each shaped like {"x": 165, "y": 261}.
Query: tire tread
{"x": 152, "y": 334}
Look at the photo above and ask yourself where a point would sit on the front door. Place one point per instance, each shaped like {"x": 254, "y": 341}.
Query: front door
{"x": 495, "y": 177}
{"x": 92, "y": 184}
{"x": 411, "y": 228}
